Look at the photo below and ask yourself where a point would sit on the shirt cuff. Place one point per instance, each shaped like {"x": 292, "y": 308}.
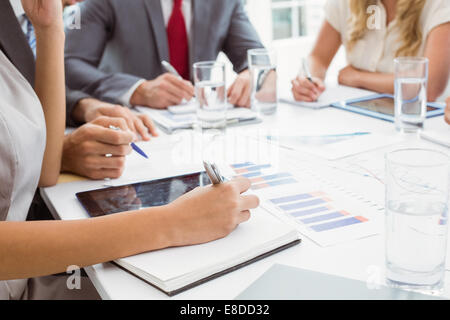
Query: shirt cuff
{"x": 125, "y": 99}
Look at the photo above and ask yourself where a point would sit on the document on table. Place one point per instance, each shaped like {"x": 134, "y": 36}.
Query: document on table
{"x": 324, "y": 214}
{"x": 185, "y": 117}
{"x": 335, "y": 145}
{"x": 441, "y": 137}
{"x": 329, "y": 96}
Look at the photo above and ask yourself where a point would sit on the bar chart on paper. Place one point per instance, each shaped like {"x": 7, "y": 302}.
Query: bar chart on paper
{"x": 327, "y": 217}
{"x": 263, "y": 176}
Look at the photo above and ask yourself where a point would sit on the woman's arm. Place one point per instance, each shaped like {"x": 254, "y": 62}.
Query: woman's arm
{"x": 437, "y": 50}
{"x": 31, "y": 249}
{"x": 375, "y": 81}
{"x": 325, "y": 48}
{"x": 46, "y": 17}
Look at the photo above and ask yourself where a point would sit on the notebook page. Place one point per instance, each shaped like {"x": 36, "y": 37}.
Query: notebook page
{"x": 330, "y": 95}
{"x": 167, "y": 264}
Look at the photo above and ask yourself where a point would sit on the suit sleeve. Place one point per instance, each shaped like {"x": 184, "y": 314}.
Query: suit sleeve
{"x": 241, "y": 37}
{"x": 72, "y": 98}
{"x": 84, "y": 50}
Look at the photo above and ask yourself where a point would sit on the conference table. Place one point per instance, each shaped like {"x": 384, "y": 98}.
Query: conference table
{"x": 361, "y": 259}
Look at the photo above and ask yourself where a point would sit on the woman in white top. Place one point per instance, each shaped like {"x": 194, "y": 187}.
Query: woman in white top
{"x": 28, "y": 159}
{"x": 374, "y": 33}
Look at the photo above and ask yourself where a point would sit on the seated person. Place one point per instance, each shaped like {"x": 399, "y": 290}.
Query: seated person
{"x": 32, "y": 131}
{"x": 117, "y": 54}
{"x": 85, "y": 148}
{"x": 397, "y": 28}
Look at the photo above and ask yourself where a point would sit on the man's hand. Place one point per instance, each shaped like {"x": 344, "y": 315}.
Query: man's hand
{"x": 166, "y": 90}
{"x": 349, "y": 76}
{"x": 85, "y": 149}
{"x": 240, "y": 91}
{"x": 447, "y": 111}
{"x": 89, "y": 109}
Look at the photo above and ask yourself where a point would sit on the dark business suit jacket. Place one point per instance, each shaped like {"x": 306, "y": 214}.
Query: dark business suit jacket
{"x": 15, "y": 46}
{"x": 121, "y": 42}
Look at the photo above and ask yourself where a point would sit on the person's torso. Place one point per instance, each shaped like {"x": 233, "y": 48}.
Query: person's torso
{"x": 22, "y": 145}
{"x": 138, "y": 41}
{"x": 376, "y": 51}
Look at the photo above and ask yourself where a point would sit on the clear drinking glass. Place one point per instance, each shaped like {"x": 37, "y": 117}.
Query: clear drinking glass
{"x": 263, "y": 69}
{"x": 417, "y": 191}
{"x": 209, "y": 78}
{"x": 411, "y": 79}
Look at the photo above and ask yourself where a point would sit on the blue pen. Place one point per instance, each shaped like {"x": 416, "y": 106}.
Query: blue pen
{"x": 341, "y": 135}
{"x": 133, "y": 145}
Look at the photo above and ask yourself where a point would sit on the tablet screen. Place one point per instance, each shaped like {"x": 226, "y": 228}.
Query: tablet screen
{"x": 140, "y": 195}
{"x": 384, "y": 105}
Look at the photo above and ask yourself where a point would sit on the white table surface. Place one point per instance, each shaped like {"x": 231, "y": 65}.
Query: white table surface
{"x": 360, "y": 259}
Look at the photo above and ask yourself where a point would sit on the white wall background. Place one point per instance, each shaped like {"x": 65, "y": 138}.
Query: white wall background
{"x": 290, "y": 51}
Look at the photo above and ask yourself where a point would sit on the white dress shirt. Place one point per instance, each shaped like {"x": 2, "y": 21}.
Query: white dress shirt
{"x": 167, "y": 7}
{"x": 186, "y": 7}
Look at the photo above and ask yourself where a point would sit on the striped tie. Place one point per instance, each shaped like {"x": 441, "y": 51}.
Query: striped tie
{"x": 31, "y": 36}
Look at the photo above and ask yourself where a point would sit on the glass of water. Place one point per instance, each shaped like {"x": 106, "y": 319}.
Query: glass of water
{"x": 417, "y": 191}
{"x": 209, "y": 78}
{"x": 411, "y": 79}
{"x": 263, "y": 69}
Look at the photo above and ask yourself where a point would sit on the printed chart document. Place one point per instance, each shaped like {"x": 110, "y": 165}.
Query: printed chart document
{"x": 329, "y": 96}
{"x": 327, "y": 215}
{"x": 174, "y": 270}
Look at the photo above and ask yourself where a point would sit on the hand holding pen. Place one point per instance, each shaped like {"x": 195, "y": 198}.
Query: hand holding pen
{"x": 307, "y": 88}
{"x": 132, "y": 145}
{"x": 171, "y": 70}
{"x": 168, "y": 89}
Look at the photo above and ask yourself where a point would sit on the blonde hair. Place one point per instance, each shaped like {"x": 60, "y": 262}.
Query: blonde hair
{"x": 407, "y": 16}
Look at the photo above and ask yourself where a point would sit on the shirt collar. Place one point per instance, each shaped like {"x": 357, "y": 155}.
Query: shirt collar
{"x": 17, "y": 7}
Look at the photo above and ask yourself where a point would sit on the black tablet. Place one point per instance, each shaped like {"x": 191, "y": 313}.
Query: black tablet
{"x": 140, "y": 195}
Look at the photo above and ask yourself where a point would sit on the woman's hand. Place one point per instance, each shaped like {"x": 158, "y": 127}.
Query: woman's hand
{"x": 304, "y": 90}
{"x": 44, "y": 14}
{"x": 447, "y": 111}
{"x": 209, "y": 213}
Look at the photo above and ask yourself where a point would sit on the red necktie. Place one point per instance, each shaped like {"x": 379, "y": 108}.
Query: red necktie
{"x": 178, "y": 41}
